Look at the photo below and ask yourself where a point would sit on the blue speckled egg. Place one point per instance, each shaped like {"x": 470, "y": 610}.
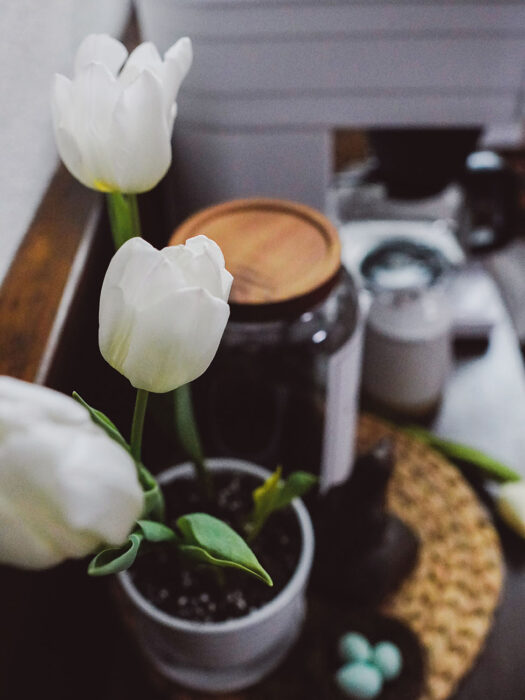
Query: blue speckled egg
{"x": 354, "y": 647}
{"x": 359, "y": 680}
{"x": 388, "y": 659}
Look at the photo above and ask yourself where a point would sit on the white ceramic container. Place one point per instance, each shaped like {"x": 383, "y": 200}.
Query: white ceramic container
{"x": 408, "y": 357}
{"x": 231, "y": 655}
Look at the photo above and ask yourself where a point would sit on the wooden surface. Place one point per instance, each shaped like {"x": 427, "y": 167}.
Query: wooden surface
{"x": 305, "y": 247}
{"x": 37, "y": 292}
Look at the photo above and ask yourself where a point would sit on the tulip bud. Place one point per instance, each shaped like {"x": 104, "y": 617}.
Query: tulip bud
{"x": 163, "y": 313}
{"x": 113, "y": 129}
{"x": 66, "y": 488}
{"x": 510, "y": 503}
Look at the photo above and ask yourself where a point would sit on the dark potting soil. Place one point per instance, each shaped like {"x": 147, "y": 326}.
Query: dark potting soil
{"x": 194, "y": 592}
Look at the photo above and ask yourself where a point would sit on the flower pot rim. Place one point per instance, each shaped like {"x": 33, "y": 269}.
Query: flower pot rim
{"x": 292, "y": 588}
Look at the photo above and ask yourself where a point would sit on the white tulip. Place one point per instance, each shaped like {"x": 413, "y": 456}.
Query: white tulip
{"x": 163, "y": 313}
{"x": 510, "y": 502}
{"x": 66, "y": 488}
{"x": 113, "y": 129}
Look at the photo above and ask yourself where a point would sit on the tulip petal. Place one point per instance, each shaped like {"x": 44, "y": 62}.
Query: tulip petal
{"x": 208, "y": 249}
{"x": 139, "y": 135}
{"x": 162, "y": 313}
{"x": 177, "y": 60}
{"x": 100, "y": 48}
{"x": 162, "y": 281}
{"x": 95, "y": 95}
{"x": 115, "y": 322}
{"x": 29, "y": 488}
{"x": 130, "y": 267}
{"x": 20, "y": 397}
{"x": 200, "y": 265}
{"x": 172, "y": 113}
{"x": 62, "y": 111}
{"x": 144, "y": 57}
{"x": 72, "y": 157}
{"x": 22, "y": 544}
{"x": 66, "y": 488}
{"x": 174, "y": 341}
{"x": 81, "y": 484}
{"x": 61, "y": 100}
{"x": 121, "y": 290}
{"x": 113, "y": 129}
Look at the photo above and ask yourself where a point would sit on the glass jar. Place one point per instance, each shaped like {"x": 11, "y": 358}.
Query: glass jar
{"x": 282, "y": 389}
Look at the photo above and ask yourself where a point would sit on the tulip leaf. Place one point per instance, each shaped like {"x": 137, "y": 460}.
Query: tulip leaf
{"x": 275, "y": 494}
{"x": 103, "y": 421}
{"x": 185, "y": 423}
{"x": 189, "y": 438}
{"x": 265, "y": 496}
{"x": 210, "y": 541}
{"x": 295, "y": 486}
{"x": 488, "y": 466}
{"x": 153, "y": 498}
{"x": 115, "y": 559}
{"x": 156, "y": 532}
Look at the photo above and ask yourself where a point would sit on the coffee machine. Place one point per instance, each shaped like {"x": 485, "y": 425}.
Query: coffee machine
{"x": 272, "y": 81}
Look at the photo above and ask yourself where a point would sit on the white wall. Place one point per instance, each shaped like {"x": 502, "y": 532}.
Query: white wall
{"x": 274, "y": 77}
{"x": 37, "y": 39}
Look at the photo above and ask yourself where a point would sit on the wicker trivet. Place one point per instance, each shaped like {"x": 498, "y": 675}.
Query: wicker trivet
{"x": 450, "y": 598}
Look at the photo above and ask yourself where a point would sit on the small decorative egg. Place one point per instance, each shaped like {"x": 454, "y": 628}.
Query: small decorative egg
{"x": 359, "y": 680}
{"x": 387, "y": 657}
{"x": 354, "y": 647}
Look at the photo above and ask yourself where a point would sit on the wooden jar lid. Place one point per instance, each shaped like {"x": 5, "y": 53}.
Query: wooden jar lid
{"x": 276, "y": 250}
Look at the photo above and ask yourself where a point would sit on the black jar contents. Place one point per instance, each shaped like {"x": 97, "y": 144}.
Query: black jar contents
{"x": 264, "y": 398}
{"x": 196, "y": 593}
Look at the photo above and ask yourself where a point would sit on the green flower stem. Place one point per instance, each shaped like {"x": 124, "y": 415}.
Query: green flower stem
{"x": 124, "y": 217}
{"x": 189, "y": 437}
{"x": 138, "y": 423}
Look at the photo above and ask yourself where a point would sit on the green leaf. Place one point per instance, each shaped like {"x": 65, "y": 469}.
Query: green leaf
{"x": 274, "y": 495}
{"x": 490, "y": 467}
{"x": 210, "y": 541}
{"x": 103, "y": 421}
{"x": 295, "y": 486}
{"x": 156, "y": 532}
{"x": 153, "y": 499}
{"x": 266, "y": 495}
{"x": 115, "y": 559}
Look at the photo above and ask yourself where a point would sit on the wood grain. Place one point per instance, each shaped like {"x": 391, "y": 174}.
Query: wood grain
{"x": 276, "y": 250}
{"x": 39, "y": 287}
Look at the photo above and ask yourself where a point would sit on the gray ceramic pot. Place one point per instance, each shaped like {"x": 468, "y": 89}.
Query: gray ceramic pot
{"x": 231, "y": 655}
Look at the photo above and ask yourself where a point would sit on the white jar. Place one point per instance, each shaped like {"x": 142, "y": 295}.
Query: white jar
{"x": 222, "y": 656}
{"x": 407, "y": 356}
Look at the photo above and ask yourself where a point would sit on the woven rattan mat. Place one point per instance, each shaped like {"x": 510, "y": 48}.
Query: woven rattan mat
{"x": 450, "y": 598}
